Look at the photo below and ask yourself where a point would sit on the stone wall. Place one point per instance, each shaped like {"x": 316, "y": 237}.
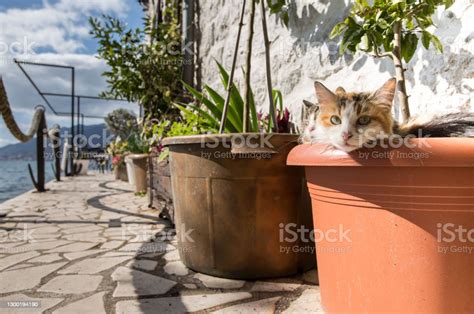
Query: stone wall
{"x": 302, "y": 53}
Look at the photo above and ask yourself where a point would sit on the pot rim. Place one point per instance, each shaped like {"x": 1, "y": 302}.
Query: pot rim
{"x": 205, "y": 138}
{"x": 137, "y": 156}
{"x": 420, "y": 152}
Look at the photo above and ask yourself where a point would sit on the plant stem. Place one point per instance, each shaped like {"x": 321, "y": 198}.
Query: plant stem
{"x": 400, "y": 71}
{"x": 268, "y": 68}
{"x": 248, "y": 68}
{"x": 230, "y": 84}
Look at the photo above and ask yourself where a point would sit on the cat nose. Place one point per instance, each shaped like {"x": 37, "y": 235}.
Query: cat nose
{"x": 346, "y": 135}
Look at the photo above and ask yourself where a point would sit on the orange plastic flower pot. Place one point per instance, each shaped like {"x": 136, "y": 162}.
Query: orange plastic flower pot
{"x": 394, "y": 227}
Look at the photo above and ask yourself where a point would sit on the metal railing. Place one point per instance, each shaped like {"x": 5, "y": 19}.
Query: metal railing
{"x": 38, "y": 127}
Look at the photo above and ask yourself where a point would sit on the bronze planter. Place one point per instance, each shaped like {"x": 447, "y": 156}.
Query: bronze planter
{"x": 159, "y": 191}
{"x": 233, "y": 201}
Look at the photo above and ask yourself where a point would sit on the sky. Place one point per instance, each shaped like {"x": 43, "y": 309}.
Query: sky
{"x": 56, "y": 31}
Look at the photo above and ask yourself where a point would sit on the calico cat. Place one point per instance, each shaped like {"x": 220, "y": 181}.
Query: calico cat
{"x": 348, "y": 121}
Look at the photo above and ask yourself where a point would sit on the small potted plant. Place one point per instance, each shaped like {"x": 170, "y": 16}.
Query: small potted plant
{"x": 137, "y": 160}
{"x": 116, "y": 150}
{"x": 395, "y": 206}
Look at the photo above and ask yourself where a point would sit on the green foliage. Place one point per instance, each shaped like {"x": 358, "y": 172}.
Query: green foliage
{"x": 209, "y": 106}
{"x": 145, "y": 63}
{"x": 117, "y": 147}
{"x": 370, "y": 28}
{"x": 121, "y": 122}
{"x": 137, "y": 144}
{"x": 186, "y": 124}
{"x": 280, "y": 8}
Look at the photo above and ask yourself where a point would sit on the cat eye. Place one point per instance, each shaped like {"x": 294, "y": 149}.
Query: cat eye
{"x": 335, "y": 120}
{"x": 364, "y": 120}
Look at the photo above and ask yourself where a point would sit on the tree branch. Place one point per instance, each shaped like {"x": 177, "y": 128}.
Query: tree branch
{"x": 248, "y": 65}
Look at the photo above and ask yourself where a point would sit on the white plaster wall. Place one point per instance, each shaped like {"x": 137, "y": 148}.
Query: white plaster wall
{"x": 302, "y": 53}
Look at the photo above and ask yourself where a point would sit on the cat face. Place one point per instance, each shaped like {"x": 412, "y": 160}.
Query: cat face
{"x": 347, "y": 121}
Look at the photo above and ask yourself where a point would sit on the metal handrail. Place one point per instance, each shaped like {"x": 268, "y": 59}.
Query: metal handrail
{"x": 38, "y": 126}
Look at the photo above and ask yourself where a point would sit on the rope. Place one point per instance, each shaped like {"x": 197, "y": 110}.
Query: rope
{"x": 10, "y": 120}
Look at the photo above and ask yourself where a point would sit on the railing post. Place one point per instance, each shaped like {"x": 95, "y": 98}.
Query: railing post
{"x": 40, "y": 153}
{"x": 54, "y": 135}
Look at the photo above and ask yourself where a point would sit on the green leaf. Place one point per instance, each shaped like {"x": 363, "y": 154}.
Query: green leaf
{"x": 232, "y": 117}
{"x": 213, "y": 109}
{"x": 409, "y": 45}
{"x": 285, "y": 18}
{"x": 236, "y": 99}
{"x": 383, "y": 24}
{"x": 211, "y": 120}
{"x": 426, "y": 39}
{"x": 253, "y": 114}
{"x": 278, "y": 99}
{"x": 337, "y": 30}
{"x": 448, "y": 3}
{"x": 437, "y": 43}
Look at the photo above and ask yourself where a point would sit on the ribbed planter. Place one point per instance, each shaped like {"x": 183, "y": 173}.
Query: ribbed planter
{"x": 233, "y": 202}
{"x": 398, "y": 209}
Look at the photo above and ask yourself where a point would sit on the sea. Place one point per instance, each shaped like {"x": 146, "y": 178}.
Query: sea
{"x": 15, "y": 178}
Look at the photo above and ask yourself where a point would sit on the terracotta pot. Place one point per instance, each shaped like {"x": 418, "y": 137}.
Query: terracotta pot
{"x": 139, "y": 164}
{"x": 234, "y": 201}
{"x": 400, "y": 212}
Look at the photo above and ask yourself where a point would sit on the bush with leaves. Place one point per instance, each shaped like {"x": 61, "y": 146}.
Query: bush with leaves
{"x": 145, "y": 63}
{"x": 391, "y": 28}
{"x": 121, "y": 122}
{"x": 188, "y": 123}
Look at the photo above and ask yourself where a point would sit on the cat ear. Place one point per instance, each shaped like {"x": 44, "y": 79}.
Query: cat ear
{"x": 384, "y": 95}
{"x": 310, "y": 107}
{"x": 308, "y": 104}
{"x": 324, "y": 95}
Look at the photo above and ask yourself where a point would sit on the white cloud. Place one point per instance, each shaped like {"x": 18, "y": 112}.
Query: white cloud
{"x": 61, "y": 28}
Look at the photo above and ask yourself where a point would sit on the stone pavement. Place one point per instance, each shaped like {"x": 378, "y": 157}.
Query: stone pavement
{"x": 89, "y": 245}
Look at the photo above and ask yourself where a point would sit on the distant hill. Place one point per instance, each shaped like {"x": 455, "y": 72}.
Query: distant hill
{"x": 27, "y": 151}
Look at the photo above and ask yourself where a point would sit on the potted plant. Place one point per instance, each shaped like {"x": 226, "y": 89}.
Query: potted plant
{"x": 137, "y": 160}
{"x": 116, "y": 150}
{"x": 397, "y": 206}
{"x": 233, "y": 193}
